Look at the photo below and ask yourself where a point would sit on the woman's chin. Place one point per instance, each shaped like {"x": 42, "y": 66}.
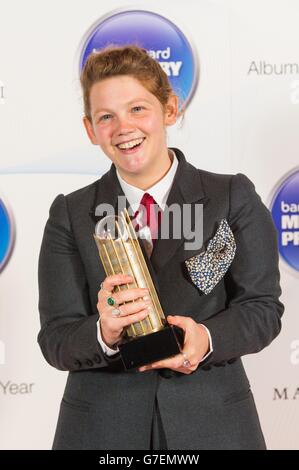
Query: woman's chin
{"x": 134, "y": 167}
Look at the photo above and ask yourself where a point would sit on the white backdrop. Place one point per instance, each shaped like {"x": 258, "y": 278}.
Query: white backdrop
{"x": 239, "y": 120}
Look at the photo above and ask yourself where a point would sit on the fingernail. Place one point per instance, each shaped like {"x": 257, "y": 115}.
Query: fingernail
{"x": 146, "y": 297}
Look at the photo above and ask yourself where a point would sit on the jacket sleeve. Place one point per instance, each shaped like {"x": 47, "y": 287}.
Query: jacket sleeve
{"x": 68, "y": 335}
{"x": 252, "y": 317}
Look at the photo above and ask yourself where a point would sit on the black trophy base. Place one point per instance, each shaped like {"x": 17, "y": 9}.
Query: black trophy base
{"x": 153, "y": 347}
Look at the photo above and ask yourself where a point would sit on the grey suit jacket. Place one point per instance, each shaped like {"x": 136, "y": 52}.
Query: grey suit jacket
{"x": 105, "y": 407}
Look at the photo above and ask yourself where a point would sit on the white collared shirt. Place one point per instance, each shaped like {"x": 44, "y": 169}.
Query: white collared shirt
{"x": 159, "y": 191}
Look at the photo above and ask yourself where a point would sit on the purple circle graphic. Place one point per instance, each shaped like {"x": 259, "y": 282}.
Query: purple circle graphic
{"x": 163, "y": 40}
{"x": 285, "y": 213}
{"x": 7, "y": 234}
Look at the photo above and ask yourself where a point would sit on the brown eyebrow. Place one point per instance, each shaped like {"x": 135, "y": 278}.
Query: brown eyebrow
{"x": 129, "y": 103}
{"x": 101, "y": 110}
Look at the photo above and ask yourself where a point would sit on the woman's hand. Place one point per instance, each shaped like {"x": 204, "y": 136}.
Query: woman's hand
{"x": 112, "y": 326}
{"x": 196, "y": 346}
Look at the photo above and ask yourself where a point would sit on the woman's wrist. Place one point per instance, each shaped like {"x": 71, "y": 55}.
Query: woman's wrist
{"x": 110, "y": 343}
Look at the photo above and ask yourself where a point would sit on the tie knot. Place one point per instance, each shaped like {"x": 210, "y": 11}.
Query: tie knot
{"x": 147, "y": 200}
{"x": 151, "y": 209}
{"x": 150, "y": 215}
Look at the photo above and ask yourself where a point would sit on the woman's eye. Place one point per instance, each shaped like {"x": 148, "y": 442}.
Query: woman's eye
{"x": 137, "y": 109}
{"x": 105, "y": 117}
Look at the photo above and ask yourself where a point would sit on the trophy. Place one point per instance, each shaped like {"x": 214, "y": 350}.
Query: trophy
{"x": 151, "y": 339}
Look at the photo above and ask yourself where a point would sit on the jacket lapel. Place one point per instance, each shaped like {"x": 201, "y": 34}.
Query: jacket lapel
{"x": 187, "y": 188}
{"x": 107, "y": 192}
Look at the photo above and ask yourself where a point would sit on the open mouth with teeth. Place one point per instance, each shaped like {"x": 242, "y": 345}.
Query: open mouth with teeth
{"x": 131, "y": 145}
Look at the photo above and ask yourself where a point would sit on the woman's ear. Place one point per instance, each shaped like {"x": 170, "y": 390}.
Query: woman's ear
{"x": 171, "y": 110}
{"x": 89, "y": 129}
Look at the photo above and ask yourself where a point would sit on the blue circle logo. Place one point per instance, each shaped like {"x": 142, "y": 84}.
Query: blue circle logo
{"x": 7, "y": 234}
{"x": 285, "y": 213}
{"x": 162, "y": 39}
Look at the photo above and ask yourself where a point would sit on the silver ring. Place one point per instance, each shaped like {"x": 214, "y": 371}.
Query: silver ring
{"x": 186, "y": 362}
{"x": 115, "y": 312}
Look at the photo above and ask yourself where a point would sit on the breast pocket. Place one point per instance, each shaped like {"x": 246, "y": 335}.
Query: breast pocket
{"x": 207, "y": 268}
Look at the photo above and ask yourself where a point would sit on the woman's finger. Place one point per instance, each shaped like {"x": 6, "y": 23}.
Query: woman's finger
{"x": 129, "y": 319}
{"x": 177, "y": 320}
{"x": 128, "y": 295}
{"x": 115, "y": 280}
{"x": 173, "y": 362}
{"x": 119, "y": 311}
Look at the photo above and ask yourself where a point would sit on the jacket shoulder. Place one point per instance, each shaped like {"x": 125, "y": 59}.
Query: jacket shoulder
{"x": 85, "y": 195}
{"x": 215, "y": 178}
{"x": 215, "y": 185}
{"x": 65, "y": 207}
{"x": 228, "y": 190}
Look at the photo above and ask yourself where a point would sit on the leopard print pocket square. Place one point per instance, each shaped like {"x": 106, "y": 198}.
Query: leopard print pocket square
{"x": 208, "y": 268}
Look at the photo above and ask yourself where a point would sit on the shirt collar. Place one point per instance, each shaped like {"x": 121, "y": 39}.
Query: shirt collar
{"x": 158, "y": 191}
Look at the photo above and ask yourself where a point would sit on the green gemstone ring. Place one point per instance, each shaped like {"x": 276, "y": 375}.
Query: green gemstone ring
{"x": 110, "y": 301}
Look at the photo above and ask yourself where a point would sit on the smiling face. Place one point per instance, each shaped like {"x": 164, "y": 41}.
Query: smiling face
{"x": 128, "y": 123}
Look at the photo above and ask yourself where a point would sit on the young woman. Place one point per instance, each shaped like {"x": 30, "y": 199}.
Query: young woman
{"x": 224, "y": 295}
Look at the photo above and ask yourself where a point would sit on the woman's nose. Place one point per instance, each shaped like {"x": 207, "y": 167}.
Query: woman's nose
{"x": 124, "y": 126}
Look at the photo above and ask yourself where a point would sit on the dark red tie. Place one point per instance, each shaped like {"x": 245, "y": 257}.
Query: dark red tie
{"x": 151, "y": 215}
